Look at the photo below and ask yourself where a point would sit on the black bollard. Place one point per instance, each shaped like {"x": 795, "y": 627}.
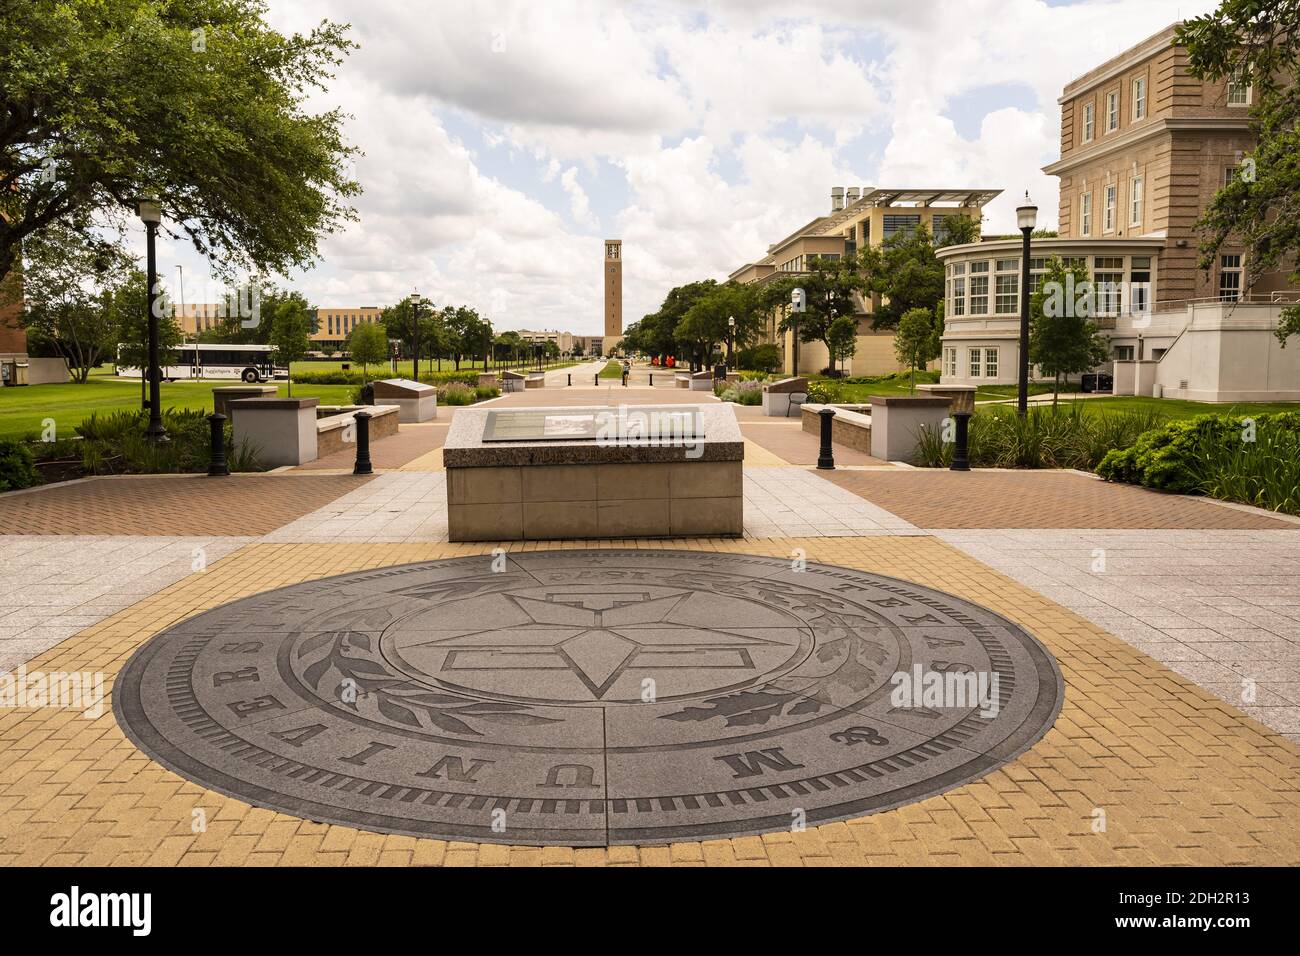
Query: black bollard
{"x": 961, "y": 454}
{"x": 652, "y": 379}
{"x": 363, "y": 466}
{"x": 217, "y": 465}
{"x": 570, "y": 378}
{"x": 826, "y": 456}
{"x": 596, "y": 379}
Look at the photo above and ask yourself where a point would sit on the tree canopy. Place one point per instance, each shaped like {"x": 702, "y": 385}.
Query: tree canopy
{"x": 199, "y": 102}
{"x": 1256, "y": 42}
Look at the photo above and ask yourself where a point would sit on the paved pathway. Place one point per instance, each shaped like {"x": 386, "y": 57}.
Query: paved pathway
{"x": 1195, "y": 599}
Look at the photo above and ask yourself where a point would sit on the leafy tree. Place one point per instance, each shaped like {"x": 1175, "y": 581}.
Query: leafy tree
{"x": 707, "y": 322}
{"x": 905, "y": 274}
{"x": 914, "y": 341}
{"x": 958, "y": 230}
{"x": 842, "y": 340}
{"x": 250, "y": 309}
{"x": 127, "y": 309}
{"x": 82, "y": 297}
{"x": 1256, "y": 42}
{"x": 657, "y": 334}
{"x": 398, "y": 320}
{"x": 832, "y": 288}
{"x": 290, "y": 330}
{"x": 1063, "y": 340}
{"x": 759, "y": 358}
{"x": 368, "y": 344}
{"x": 199, "y": 101}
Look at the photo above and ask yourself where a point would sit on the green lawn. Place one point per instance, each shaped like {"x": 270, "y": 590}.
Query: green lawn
{"x": 23, "y": 410}
{"x": 1181, "y": 408}
{"x": 612, "y": 369}
{"x": 404, "y": 368}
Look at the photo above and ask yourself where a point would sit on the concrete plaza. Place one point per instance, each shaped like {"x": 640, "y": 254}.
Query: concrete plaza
{"x": 1175, "y": 623}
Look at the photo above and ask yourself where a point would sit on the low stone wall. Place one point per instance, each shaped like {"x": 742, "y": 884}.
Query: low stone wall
{"x": 535, "y": 380}
{"x": 331, "y": 428}
{"x": 851, "y": 425}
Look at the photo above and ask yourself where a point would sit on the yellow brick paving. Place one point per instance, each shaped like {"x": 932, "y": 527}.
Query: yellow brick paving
{"x": 1181, "y": 777}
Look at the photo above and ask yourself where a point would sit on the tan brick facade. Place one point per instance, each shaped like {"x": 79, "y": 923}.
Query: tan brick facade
{"x": 1142, "y": 124}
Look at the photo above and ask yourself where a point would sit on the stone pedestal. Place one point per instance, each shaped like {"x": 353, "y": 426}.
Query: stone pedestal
{"x": 776, "y": 396}
{"x": 225, "y": 394}
{"x": 961, "y": 398}
{"x": 896, "y": 421}
{"x": 620, "y": 488}
{"x": 701, "y": 382}
{"x": 281, "y": 431}
{"x": 415, "y": 401}
{"x": 511, "y": 381}
{"x": 535, "y": 380}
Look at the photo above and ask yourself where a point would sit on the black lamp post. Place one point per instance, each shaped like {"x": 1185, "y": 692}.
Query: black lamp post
{"x": 150, "y": 213}
{"x": 731, "y": 338}
{"x": 415, "y": 336}
{"x": 1026, "y": 218}
{"x": 798, "y": 304}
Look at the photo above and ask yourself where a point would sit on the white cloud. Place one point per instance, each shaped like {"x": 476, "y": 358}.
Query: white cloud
{"x": 505, "y": 139}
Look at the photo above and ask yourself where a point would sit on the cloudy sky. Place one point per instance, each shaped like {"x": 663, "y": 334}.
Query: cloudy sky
{"x": 505, "y": 139}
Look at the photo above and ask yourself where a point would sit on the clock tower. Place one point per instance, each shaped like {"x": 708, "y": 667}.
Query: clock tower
{"x": 613, "y": 267}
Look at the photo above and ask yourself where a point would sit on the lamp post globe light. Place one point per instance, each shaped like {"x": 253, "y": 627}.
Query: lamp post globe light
{"x": 150, "y": 212}
{"x": 415, "y": 336}
{"x": 1026, "y": 219}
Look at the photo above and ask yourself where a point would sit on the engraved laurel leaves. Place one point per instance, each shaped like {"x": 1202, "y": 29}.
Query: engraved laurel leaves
{"x": 841, "y": 647}
{"x": 353, "y": 656}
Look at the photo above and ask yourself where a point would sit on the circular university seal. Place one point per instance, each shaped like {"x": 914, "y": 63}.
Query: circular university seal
{"x": 585, "y": 698}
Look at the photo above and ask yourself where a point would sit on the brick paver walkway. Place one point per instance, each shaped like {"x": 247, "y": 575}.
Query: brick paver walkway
{"x": 1027, "y": 499}
{"x": 798, "y": 447}
{"x": 171, "y": 504}
{"x": 411, "y": 442}
{"x": 1142, "y": 766}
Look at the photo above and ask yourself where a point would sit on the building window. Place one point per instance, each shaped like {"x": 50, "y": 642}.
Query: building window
{"x": 1107, "y": 281}
{"x": 1239, "y": 91}
{"x": 1085, "y": 214}
{"x": 1139, "y": 278}
{"x": 1112, "y": 111}
{"x": 1139, "y": 98}
{"x": 990, "y": 363}
{"x": 950, "y": 362}
{"x": 1123, "y": 353}
{"x": 900, "y": 223}
{"x": 1037, "y": 269}
{"x": 979, "y": 293}
{"x": 1135, "y": 201}
{"x": 1089, "y": 122}
{"x": 1007, "y": 301}
{"x": 958, "y": 297}
{"x": 1230, "y": 278}
{"x": 974, "y": 356}
{"x": 1108, "y": 214}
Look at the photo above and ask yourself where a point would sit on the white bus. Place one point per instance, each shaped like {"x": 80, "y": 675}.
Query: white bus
{"x": 252, "y": 363}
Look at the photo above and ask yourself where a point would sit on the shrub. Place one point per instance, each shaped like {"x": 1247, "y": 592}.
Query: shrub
{"x": 742, "y": 393}
{"x": 1237, "y": 458}
{"x": 1065, "y": 437}
{"x": 17, "y": 467}
{"x": 825, "y": 393}
{"x": 115, "y": 444}
{"x": 484, "y": 392}
{"x": 456, "y": 393}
